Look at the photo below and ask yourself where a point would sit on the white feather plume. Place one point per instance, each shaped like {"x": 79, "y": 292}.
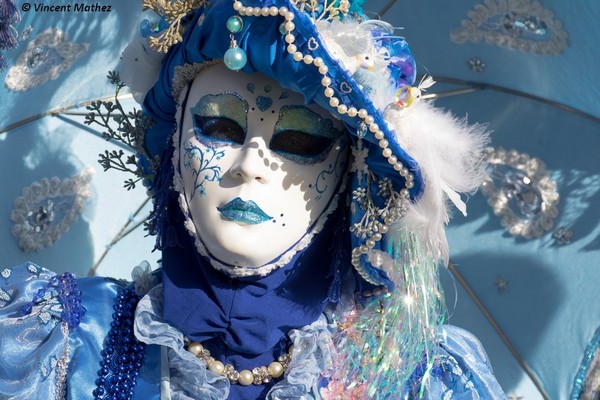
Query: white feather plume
{"x": 449, "y": 153}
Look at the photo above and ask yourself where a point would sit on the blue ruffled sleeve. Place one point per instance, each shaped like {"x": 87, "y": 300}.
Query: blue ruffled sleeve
{"x": 461, "y": 371}
{"x": 52, "y": 332}
{"x": 32, "y": 338}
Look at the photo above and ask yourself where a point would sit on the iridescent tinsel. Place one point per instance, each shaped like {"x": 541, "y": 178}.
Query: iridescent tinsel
{"x": 379, "y": 347}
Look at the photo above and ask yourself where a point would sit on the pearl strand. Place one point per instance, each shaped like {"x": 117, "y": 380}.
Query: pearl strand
{"x": 257, "y": 376}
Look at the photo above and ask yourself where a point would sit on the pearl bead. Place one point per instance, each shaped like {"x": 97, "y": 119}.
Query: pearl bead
{"x": 383, "y": 143}
{"x": 388, "y": 221}
{"x": 298, "y": 56}
{"x": 383, "y": 229}
{"x": 217, "y": 367}
{"x": 342, "y": 109}
{"x": 352, "y": 112}
{"x": 289, "y": 16}
{"x": 237, "y": 5}
{"x": 377, "y": 236}
{"x": 328, "y": 92}
{"x": 379, "y": 135}
{"x": 246, "y": 378}
{"x": 318, "y": 61}
{"x": 404, "y": 172}
{"x": 409, "y": 184}
{"x": 323, "y": 69}
{"x": 370, "y": 243}
{"x": 256, "y": 11}
{"x": 195, "y": 348}
{"x": 275, "y": 369}
{"x": 392, "y": 160}
{"x": 283, "y": 11}
{"x": 373, "y": 127}
{"x": 369, "y": 120}
{"x": 291, "y": 48}
{"x": 334, "y": 102}
{"x": 235, "y": 58}
{"x": 308, "y": 59}
{"x": 326, "y": 81}
{"x": 289, "y": 26}
{"x": 289, "y": 38}
{"x": 364, "y": 249}
{"x": 273, "y": 11}
{"x": 264, "y": 11}
{"x": 387, "y": 152}
{"x": 355, "y": 251}
{"x": 234, "y": 24}
{"x": 362, "y": 113}
{"x": 404, "y": 192}
{"x": 398, "y": 166}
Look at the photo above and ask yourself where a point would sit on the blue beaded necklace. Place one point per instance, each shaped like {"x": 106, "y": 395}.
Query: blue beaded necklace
{"x": 123, "y": 354}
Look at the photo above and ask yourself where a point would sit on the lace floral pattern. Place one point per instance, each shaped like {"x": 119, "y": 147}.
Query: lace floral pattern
{"x": 47, "y": 208}
{"x": 521, "y": 193}
{"x": 517, "y": 24}
{"x": 45, "y": 58}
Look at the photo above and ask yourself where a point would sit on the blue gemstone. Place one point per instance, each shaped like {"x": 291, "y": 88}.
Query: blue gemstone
{"x": 235, "y": 24}
{"x": 235, "y": 58}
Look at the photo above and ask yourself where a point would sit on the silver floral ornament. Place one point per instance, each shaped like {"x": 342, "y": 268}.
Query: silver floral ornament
{"x": 520, "y": 192}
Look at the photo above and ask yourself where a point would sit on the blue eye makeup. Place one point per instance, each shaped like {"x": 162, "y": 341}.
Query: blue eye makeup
{"x": 220, "y": 118}
{"x": 303, "y": 136}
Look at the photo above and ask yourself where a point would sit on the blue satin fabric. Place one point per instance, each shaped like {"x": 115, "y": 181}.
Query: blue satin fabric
{"x": 30, "y": 345}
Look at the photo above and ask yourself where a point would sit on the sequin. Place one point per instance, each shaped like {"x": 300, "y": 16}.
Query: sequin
{"x": 476, "y": 64}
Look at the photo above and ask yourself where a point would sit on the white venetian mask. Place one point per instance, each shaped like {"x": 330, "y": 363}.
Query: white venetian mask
{"x": 259, "y": 169}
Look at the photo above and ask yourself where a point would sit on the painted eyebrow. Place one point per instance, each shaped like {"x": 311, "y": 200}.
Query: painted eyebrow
{"x": 303, "y": 119}
{"x": 225, "y": 105}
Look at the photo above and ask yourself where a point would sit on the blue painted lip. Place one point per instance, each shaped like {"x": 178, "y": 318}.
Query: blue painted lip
{"x": 246, "y": 212}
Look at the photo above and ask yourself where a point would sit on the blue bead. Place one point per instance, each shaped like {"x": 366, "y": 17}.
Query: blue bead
{"x": 235, "y": 58}
{"x": 235, "y": 24}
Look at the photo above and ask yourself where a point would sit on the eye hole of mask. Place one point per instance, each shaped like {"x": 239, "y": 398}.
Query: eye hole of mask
{"x": 220, "y": 129}
{"x": 300, "y": 147}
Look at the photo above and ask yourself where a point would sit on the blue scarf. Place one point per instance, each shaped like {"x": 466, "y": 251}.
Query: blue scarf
{"x": 245, "y": 321}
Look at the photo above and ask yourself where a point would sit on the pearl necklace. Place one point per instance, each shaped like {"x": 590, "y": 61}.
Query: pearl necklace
{"x": 245, "y": 377}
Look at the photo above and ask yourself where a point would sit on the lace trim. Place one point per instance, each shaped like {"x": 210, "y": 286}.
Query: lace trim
{"x": 517, "y": 24}
{"x": 47, "y": 208}
{"x": 45, "y": 58}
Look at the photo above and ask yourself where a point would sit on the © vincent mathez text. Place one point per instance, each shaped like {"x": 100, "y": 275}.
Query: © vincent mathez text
{"x": 77, "y": 7}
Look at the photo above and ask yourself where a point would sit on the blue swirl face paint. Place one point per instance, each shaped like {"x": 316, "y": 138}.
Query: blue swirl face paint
{"x": 247, "y": 212}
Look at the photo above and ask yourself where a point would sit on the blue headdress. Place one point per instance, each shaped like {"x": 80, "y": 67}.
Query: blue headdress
{"x": 408, "y": 158}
